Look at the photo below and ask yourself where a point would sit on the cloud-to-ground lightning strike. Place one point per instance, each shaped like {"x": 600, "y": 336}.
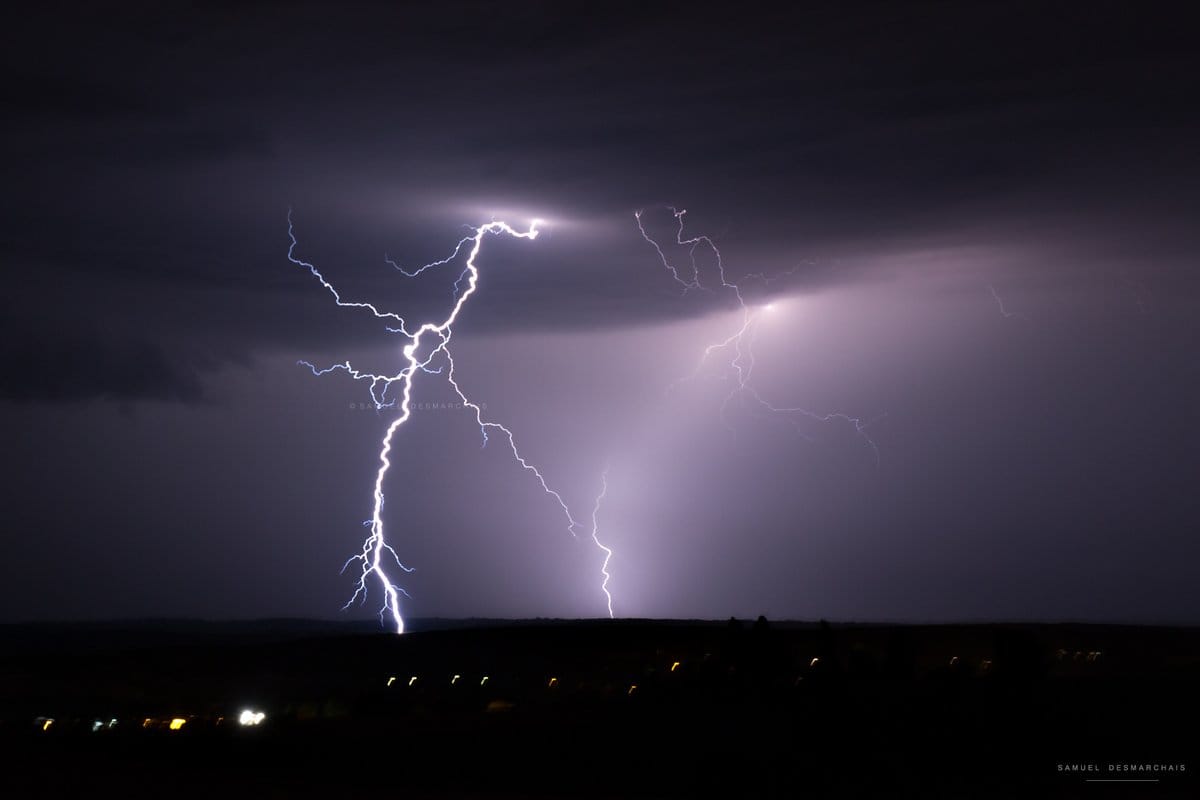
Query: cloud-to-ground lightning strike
{"x": 372, "y": 556}
{"x": 596, "y": 539}
{"x": 741, "y": 340}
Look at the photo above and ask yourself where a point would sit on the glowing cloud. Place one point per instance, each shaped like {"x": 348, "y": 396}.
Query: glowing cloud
{"x": 740, "y": 341}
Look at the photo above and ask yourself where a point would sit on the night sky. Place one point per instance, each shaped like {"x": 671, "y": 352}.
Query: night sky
{"x": 979, "y": 219}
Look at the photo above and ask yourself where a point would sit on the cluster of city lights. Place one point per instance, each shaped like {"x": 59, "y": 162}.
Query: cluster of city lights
{"x": 247, "y": 718}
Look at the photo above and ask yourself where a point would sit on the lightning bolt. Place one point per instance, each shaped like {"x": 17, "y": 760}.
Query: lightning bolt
{"x": 376, "y": 552}
{"x": 1000, "y": 305}
{"x": 740, "y": 342}
{"x": 596, "y": 539}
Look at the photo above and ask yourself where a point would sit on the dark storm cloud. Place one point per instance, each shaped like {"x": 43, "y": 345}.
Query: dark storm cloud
{"x": 164, "y": 145}
{"x": 64, "y": 97}
{"x": 80, "y": 367}
{"x": 885, "y": 162}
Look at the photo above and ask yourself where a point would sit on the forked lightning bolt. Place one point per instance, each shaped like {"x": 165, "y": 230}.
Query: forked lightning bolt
{"x": 596, "y": 538}
{"x": 376, "y": 551}
{"x": 741, "y": 340}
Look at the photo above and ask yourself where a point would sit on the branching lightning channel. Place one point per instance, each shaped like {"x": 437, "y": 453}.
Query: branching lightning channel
{"x": 741, "y": 341}
{"x": 376, "y": 552}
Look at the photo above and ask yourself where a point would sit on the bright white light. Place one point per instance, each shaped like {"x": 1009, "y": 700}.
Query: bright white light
{"x": 248, "y": 717}
{"x": 376, "y": 552}
{"x": 769, "y": 307}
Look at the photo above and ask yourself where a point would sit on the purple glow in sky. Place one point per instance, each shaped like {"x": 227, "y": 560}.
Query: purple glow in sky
{"x": 974, "y": 225}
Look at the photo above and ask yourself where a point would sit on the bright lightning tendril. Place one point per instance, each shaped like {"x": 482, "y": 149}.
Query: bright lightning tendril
{"x": 372, "y": 557}
{"x": 596, "y": 538}
{"x": 741, "y": 341}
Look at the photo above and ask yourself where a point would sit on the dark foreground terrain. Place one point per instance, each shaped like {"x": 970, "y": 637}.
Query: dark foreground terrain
{"x": 590, "y": 709}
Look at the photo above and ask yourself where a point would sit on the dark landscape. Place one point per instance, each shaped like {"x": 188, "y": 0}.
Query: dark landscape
{"x": 627, "y": 708}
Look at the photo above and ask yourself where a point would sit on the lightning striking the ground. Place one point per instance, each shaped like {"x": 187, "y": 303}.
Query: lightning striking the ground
{"x": 596, "y": 539}
{"x": 376, "y": 552}
{"x": 741, "y": 341}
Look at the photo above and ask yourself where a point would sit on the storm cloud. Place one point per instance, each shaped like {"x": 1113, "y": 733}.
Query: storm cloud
{"x": 901, "y": 176}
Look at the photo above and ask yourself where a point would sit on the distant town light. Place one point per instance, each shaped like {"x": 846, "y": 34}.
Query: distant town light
{"x": 814, "y": 662}
{"x": 249, "y": 718}
{"x": 45, "y": 722}
{"x": 553, "y": 682}
{"x": 391, "y": 680}
{"x": 485, "y": 680}
{"x": 632, "y": 688}
{"x": 675, "y": 666}
{"x": 177, "y": 723}
{"x": 454, "y": 680}
{"x": 412, "y": 680}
